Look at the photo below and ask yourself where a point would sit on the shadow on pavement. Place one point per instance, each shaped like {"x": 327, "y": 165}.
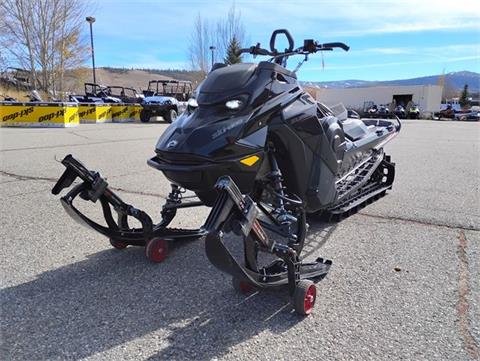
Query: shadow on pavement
{"x": 114, "y": 297}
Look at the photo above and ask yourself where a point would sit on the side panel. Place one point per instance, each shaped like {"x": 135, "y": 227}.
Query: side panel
{"x": 311, "y": 148}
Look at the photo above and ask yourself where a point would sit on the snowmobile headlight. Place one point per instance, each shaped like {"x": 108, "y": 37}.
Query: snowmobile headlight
{"x": 192, "y": 103}
{"x": 234, "y": 104}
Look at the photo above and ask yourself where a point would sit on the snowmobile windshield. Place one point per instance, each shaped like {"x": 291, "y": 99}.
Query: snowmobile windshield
{"x": 223, "y": 101}
{"x": 221, "y": 82}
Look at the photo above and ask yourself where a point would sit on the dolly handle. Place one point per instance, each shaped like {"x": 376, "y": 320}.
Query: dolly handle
{"x": 64, "y": 181}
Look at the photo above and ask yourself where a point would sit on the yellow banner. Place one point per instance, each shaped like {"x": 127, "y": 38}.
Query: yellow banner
{"x": 134, "y": 112}
{"x": 95, "y": 113}
{"x": 120, "y": 113}
{"x": 38, "y": 115}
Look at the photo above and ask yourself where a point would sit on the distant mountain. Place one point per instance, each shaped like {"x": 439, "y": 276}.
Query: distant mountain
{"x": 455, "y": 80}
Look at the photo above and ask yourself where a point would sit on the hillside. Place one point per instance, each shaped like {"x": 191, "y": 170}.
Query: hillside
{"x": 456, "y": 80}
{"x": 139, "y": 78}
{"x": 135, "y": 78}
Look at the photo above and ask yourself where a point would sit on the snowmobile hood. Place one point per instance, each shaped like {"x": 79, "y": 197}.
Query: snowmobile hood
{"x": 197, "y": 134}
{"x": 212, "y": 130}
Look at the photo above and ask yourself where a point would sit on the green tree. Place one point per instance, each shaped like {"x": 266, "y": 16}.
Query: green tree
{"x": 464, "y": 97}
{"x": 233, "y": 47}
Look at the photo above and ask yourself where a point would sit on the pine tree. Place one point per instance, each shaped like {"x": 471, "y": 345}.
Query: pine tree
{"x": 464, "y": 97}
{"x": 232, "y": 57}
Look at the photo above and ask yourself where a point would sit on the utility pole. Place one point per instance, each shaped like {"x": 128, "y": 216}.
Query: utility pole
{"x": 91, "y": 20}
{"x": 212, "y": 48}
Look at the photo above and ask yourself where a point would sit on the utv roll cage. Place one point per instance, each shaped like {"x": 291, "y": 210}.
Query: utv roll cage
{"x": 96, "y": 90}
{"x": 126, "y": 94}
{"x": 178, "y": 89}
{"x": 17, "y": 77}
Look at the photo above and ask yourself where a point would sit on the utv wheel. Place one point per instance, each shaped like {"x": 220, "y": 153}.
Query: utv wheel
{"x": 118, "y": 244}
{"x": 171, "y": 115}
{"x": 304, "y": 297}
{"x": 156, "y": 250}
{"x": 243, "y": 287}
{"x": 145, "y": 116}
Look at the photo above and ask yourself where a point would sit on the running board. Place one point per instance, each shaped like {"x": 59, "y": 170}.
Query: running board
{"x": 358, "y": 177}
{"x": 368, "y": 192}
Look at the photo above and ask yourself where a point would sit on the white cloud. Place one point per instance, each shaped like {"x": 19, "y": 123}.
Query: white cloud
{"x": 359, "y": 18}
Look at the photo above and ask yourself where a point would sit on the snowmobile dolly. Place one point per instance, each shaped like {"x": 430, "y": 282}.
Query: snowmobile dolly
{"x": 154, "y": 237}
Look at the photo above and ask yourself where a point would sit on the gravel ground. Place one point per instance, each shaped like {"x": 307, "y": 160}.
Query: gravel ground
{"x": 405, "y": 283}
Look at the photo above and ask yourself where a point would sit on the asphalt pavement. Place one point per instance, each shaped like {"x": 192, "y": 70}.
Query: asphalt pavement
{"x": 404, "y": 285}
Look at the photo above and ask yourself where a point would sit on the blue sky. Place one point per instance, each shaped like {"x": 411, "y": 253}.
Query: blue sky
{"x": 388, "y": 39}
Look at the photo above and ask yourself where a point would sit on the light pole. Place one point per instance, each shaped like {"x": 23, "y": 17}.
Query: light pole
{"x": 91, "y": 20}
{"x": 212, "y": 48}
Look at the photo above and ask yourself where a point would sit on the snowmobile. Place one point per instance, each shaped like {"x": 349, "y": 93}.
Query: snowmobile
{"x": 372, "y": 111}
{"x": 383, "y": 111}
{"x": 260, "y": 151}
{"x": 414, "y": 112}
{"x": 400, "y": 112}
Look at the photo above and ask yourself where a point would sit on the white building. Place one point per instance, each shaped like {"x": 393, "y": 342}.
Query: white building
{"x": 428, "y": 97}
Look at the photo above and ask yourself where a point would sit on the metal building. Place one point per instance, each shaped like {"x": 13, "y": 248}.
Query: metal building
{"x": 428, "y": 97}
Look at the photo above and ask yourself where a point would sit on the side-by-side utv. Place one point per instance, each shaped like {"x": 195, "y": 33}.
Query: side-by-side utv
{"x": 165, "y": 98}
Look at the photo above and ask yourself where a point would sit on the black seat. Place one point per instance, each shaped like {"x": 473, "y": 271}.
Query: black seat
{"x": 355, "y": 129}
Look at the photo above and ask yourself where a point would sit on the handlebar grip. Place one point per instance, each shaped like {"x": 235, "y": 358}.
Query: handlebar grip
{"x": 262, "y": 52}
{"x": 336, "y": 45}
{"x": 243, "y": 50}
{"x": 254, "y": 50}
{"x": 273, "y": 38}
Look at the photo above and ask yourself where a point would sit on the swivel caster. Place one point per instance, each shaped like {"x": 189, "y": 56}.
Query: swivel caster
{"x": 118, "y": 244}
{"x": 156, "y": 249}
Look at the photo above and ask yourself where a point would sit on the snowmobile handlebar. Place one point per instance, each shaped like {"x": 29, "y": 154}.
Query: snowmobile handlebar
{"x": 273, "y": 39}
{"x": 255, "y": 50}
{"x": 310, "y": 46}
{"x": 336, "y": 45}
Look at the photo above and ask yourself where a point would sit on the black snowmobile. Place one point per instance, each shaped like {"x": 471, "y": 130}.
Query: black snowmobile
{"x": 263, "y": 154}
{"x": 400, "y": 112}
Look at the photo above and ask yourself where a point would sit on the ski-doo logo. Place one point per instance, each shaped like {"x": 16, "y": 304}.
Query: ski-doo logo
{"x": 225, "y": 129}
{"x": 172, "y": 144}
{"x": 15, "y": 115}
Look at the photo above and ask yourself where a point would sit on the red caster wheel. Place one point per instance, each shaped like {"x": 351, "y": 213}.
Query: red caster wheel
{"x": 304, "y": 297}
{"x": 242, "y": 287}
{"x": 156, "y": 250}
{"x": 118, "y": 244}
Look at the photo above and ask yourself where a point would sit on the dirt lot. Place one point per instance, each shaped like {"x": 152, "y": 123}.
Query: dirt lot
{"x": 405, "y": 280}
